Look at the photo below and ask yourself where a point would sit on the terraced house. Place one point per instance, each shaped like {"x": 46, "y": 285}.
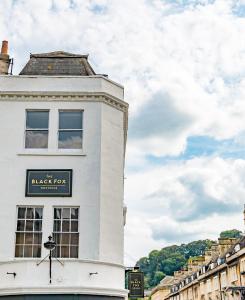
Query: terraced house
{"x": 221, "y": 276}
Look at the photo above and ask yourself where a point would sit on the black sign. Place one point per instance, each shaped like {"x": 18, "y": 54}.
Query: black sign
{"x": 136, "y": 284}
{"x": 49, "y": 183}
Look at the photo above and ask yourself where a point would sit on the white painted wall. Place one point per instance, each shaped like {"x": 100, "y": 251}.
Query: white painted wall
{"x": 97, "y": 187}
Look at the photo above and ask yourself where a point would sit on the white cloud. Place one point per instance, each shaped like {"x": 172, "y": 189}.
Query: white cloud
{"x": 183, "y": 72}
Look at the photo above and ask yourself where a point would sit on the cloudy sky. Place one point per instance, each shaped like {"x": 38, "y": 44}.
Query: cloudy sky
{"x": 182, "y": 63}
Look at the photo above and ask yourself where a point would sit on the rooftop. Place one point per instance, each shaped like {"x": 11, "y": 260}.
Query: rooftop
{"x": 58, "y": 63}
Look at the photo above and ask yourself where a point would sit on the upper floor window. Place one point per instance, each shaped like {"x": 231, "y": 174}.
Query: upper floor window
{"x": 29, "y": 232}
{"x": 70, "y": 129}
{"x": 36, "y": 133}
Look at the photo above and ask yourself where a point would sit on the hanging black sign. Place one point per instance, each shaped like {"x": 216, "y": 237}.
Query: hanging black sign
{"x": 49, "y": 183}
{"x": 136, "y": 284}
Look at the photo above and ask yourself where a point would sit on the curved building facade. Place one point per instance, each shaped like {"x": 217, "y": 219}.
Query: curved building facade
{"x": 63, "y": 133}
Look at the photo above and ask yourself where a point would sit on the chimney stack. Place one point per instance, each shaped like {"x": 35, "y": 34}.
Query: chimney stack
{"x": 4, "y": 59}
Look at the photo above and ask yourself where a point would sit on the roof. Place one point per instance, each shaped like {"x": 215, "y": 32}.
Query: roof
{"x": 58, "y": 63}
{"x": 166, "y": 281}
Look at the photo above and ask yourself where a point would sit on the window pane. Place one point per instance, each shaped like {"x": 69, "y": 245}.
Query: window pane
{"x": 65, "y": 239}
{"x": 29, "y": 225}
{"x": 70, "y": 119}
{"x": 21, "y": 212}
{"x": 65, "y": 226}
{"x": 21, "y": 225}
{"x": 66, "y": 213}
{"x": 57, "y": 226}
{"x": 57, "y": 238}
{"x": 27, "y": 251}
{"x": 28, "y": 238}
{"x": 36, "y": 139}
{"x": 36, "y": 251}
{"x": 38, "y": 213}
{"x": 37, "y": 119}
{"x": 37, "y": 238}
{"x": 19, "y": 251}
{"x": 19, "y": 238}
{"x": 74, "y": 213}
{"x": 73, "y": 252}
{"x": 56, "y": 252}
{"x": 64, "y": 251}
{"x": 37, "y": 225}
{"x": 57, "y": 213}
{"x": 74, "y": 226}
{"x": 30, "y": 213}
{"x": 74, "y": 239}
{"x": 70, "y": 139}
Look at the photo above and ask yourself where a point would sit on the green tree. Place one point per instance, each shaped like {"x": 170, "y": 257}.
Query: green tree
{"x": 233, "y": 233}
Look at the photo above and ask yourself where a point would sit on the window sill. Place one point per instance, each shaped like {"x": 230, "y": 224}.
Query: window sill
{"x": 48, "y": 152}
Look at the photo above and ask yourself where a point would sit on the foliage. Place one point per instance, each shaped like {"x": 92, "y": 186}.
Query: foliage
{"x": 233, "y": 233}
{"x": 160, "y": 263}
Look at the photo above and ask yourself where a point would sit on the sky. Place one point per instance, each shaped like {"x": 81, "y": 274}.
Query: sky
{"x": 182, "y": 63}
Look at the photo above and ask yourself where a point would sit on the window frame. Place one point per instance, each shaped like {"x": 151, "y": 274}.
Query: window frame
{"x": 28, "y": 231}
{"x": 36, "y": 129}
{"x": 54, "y": 233}
{"x": 70, "y": 129}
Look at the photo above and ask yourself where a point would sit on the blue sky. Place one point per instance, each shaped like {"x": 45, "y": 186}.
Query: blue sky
{"x": 182, "y": 64}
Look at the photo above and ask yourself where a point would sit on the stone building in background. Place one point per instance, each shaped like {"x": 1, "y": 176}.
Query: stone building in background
{"x": 220, "y": 276}
{"x": 63, "y": 136}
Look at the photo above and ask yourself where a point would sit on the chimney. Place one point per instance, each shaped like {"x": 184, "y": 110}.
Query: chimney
{"x": 225, "y": 244}
{"x": 4, "y": 59}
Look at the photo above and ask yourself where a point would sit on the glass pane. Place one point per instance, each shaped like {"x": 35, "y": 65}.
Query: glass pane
{"x": 21, "y": 225}
{"x": 64, "y": 251}
{"x": 66, "y": 213}
{"x": 37, "y": 225}
{"x": 36, "y": 251}
{"x": 70, "y": 119}
{"x": 19, "y": 251}
{"x": 28, "y": 238}
{"x": 73, "y": 252}
{"x": 65, "y": 226}
{"x": 36, "y": 139}
{"x": 70, "y": 139}
{"x": 57, "y": 226}
{"x": 65, "y": 239}
{"x": 74, "y": 226}
{"x": 74, "y": 239}
{"x": 27, "y": 251}
{"x": 38, "y": 213}
{"x": 30, "y": 213}
{"x": 21, "y": 212}
{"x": 57, "y": 238}
{"x": 29, "y": 225}
{"x": 37, "y": 119}
{"x": 74, "y": 213}
{"x": 19, "y": 238}
{"x": 57, "y": 213}
{"x": 37, "y": 238}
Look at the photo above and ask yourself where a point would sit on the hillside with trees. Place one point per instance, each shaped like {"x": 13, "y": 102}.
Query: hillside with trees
{"x": 160, "y": 263}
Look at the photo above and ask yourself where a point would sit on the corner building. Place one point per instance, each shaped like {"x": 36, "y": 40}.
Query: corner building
{"x": 63, "y": 134}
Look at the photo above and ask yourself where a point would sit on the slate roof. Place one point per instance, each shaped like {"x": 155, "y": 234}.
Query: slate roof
{"x": 58, "y": 63}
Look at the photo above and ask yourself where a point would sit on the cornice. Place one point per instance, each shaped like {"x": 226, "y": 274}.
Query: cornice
{"x": 64, "y": 97}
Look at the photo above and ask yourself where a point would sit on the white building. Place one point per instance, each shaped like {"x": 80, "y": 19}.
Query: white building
{"x": 63, "y": 133}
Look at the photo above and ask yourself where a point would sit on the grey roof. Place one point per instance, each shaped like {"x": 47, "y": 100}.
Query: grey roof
{"x": 58, "y": 63}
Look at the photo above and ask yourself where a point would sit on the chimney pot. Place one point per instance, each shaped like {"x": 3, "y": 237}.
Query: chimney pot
{"x": 4, "y": 49}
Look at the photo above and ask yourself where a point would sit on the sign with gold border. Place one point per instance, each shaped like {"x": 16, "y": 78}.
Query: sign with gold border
{"x": 48, "y": 183}
{"x": 136, "y": 284}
